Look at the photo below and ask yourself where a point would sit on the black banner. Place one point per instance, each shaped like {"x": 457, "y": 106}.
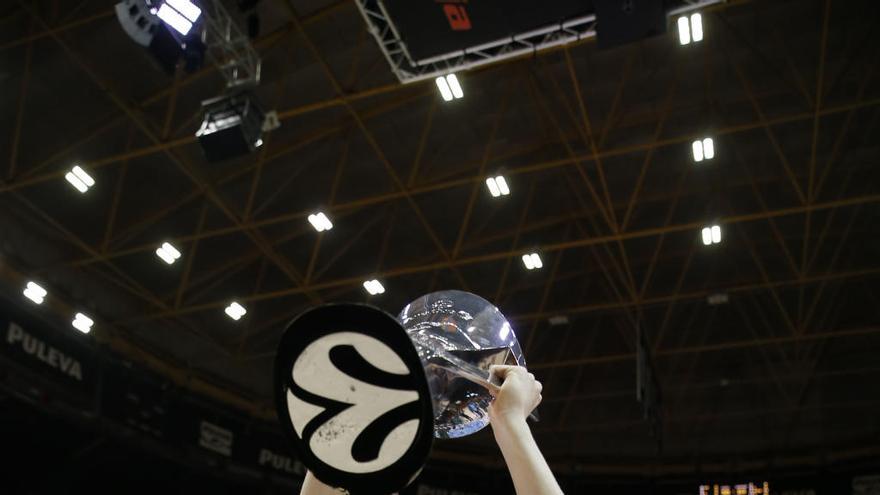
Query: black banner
{"x": 269, "y": 452}
{"x": 135, "y": 398}
{"x": 40, "y": 349}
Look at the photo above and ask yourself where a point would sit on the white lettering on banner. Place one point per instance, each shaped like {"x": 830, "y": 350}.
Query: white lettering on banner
{"x": 433, "y": 490}
{"x": 280, "y": 462}
{"x": 215, "y": 438}
{"x": 16, "y": 336}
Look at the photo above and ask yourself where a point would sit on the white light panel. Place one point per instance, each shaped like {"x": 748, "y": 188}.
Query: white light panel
{"x": 711, "y": 235}
{"x": 696, "y": 27}
{"x": 187, "y": 8}
{"x": 374, "y": 287}
{"x": 82, "y": 323}
{"x": 445, "y": 92}
{"x": 168, "y": 253}
{"x": 708, "y": 148}
{"x": 497, "y": 186}
{"x": 235, "y": 311}
{"x": 174, "y": 19}
{"x": 35, "y": 292}
{"x": 450, "y": 88}
{"x": 320, "y": 222}
{"x": 79, "y": 179}
{"x": 684, "y": 30}
{"x": 697, "y": 147}
{"x": 452, "y": 79}
{"x": 532, "y": 261}
{"x": 703, "y": 149}
{"x": 690, "y": 30}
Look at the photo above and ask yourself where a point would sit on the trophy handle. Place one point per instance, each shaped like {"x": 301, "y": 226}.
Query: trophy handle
{"x": 449, "y": 362}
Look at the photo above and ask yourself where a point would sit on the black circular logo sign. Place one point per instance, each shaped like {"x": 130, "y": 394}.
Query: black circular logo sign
{"x": 351, "y": 393}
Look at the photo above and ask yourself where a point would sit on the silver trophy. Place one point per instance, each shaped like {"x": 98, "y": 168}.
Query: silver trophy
{"x": 458, "y": 336}
{"x": 362, "y": 394}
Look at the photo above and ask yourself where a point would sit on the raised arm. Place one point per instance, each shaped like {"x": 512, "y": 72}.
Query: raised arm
{"x": 311, "y": 486}
{"x": 520, "y": 394}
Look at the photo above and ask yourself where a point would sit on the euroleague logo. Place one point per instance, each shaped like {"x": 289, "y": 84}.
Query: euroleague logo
{"x": 351, "y": 400}
{"x": 352, "y": 396}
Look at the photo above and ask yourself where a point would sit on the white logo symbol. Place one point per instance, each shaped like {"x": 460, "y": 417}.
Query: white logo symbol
{"x": 349, "y": 405}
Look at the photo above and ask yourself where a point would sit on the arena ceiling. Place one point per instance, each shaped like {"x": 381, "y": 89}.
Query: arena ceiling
{"x": 596, "y": 147}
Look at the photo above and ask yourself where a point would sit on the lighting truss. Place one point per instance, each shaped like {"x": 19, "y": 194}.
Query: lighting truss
{"x": 408, "y": 70}
{"x": 230, "y": 49}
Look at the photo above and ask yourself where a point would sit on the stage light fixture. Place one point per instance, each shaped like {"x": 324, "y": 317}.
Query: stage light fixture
{"x": 497, "y": 186}
{"x": 374, "y": 287}
{"x": 169, "y": 30}
{"x": 35, "y": 292}
{"x": 82, "y": 323}
{"x": 168, "y": 253}
{"x": 235, "y": 310}
{"x": 232, "y": 126}
{"x": 79, "y": 179}
{"x": 532, "y": 261}
{"x": 320, "y": 221}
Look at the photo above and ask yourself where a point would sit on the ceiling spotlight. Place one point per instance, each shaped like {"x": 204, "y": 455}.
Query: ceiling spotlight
{"x": 374, "y": 287}
{"x": 235, "y": 311}
{"x": 232, "y": 126}
{"x": 532, "y": 261}
{"x": 34, "y": 292}
{"x": 320, "y": 221}
{"x": 497, "y": 186}
{"x": 168, "y": 253}
{"x": 449, "y": 87}
{"x": 703, "y": 149}
{"x": 79, "y": 179}
{"x": 690, "y": 29}
{"x": 711, "y": 235}
{"x": 179, "y": 14}
{"x": 168, "y": 31}
{"x": 82, "y": 323}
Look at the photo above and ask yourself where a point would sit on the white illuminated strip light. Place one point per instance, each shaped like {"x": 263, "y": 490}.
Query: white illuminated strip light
{"x": 703, "y": 150}
{"x": 187, "y": 8}
{"x": 697, "y": 27}
{"x": 79, "y": 179}
{"x": 374, "y": 287}
{"x": 174, "y": 19}
{"x": 168, "y": 253}
{"x": 449, "y": 87}
{"x": 532, "y": 261}
{"x": 452, "y": 79}
{"x": 684, "y": 30}
{"x": 320, "y": 222}
{"x": 690, "y": 30}
{"x": 708, "y": 148}
{"x": 711, "y": 235}
{"x": 179, "y": 14}
{"x": 235, "y": 311}
{"x": 82, "y": 323}
{"x": 34, "y": 292}
{"x": 497, "y": 186}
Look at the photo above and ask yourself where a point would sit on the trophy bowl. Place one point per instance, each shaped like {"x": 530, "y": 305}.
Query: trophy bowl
{"x": 458, "y": 336}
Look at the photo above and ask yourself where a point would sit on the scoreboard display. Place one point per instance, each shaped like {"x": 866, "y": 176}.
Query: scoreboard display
{"x": 430, "y": 28}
